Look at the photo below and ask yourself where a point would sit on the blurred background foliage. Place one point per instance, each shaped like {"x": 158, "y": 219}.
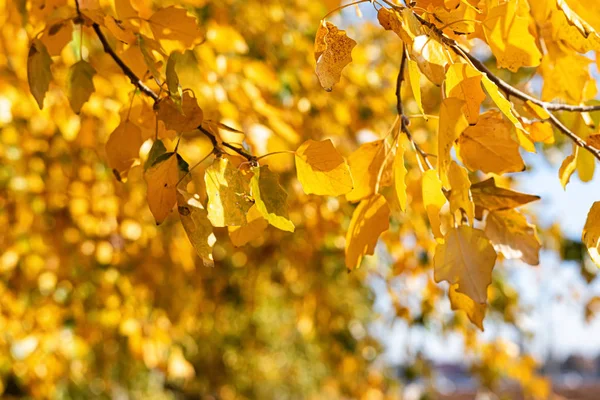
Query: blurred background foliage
{"x": 99, "y": 302}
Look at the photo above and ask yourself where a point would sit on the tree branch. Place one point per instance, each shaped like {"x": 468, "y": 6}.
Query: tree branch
{"x": 513, "y": 91}
{"x": 137, "y": 82}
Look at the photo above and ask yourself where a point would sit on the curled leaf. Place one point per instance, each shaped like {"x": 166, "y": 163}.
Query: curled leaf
{"x": 334, "y": 57}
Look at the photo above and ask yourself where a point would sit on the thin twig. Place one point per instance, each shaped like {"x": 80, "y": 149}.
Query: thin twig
{"x": 404, "y": 121}
{"x": 513, "y": 91}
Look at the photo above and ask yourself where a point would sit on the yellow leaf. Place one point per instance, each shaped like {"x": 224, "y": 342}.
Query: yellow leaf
{"x": 488, "y": 146}
{"x": 175, "y": 24}
{"x": 365, "y": 164}
{"x": 491, "y": 197}
{"x": 433, "y": 200}
{"x": 567, "y": 168}
{"x": 270, "y": 198}
{"x": 475, "y": 311}
{"x": 186, "y": 120}
{"x": 451, "y": 124}
{"x": 586, "y": 165}
{"x": 337, "y": 54}
{"x": 460, "y": 196}
{"x": 80, "y": 85}
{"x": 194, "y": 219}
{"x": 57, "y": 36}
{"x": 513, "y": 236}
{"x": 541, "y": 132}
{"x": 227, "y": 191}
{"x": 240, "y": 235}
{"x": 537, "y": 111}
{"x": 322, "y": 170}
{"x": 123, "y": 147}
{"x": 430, "y": 57}
{"x": 506, "y": 30}
{"x": 369, "y": 220}
{"x": 38, "y": 71}
{"x": 506, "y": 107}
{"x": 414, "y": 75}
{"x": 119, "y": 30}
{"x": 402, "y": 22}
{"x": 162, "y": 180}
{"x": 591, "y": 233}
{"x": 575, "y": 20}
{"x": 593, "y": 140}
{"x": 399, "y": 172}
{"x": 172, "y": 79}
{"x": 465, "y": 258}
{"x": 464, "y": 82}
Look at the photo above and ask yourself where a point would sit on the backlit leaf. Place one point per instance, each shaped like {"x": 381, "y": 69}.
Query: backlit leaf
{"x": 399, "y": 172}
{"x": 162, "y": 180}
{"x": 475, "y": 311}
{"x": 506, "y": 29}
{"x": 460, "y": 196}
{"x": 227, "y": 191}
{"x": 464, "y": 82}
{"x": 322, "y": 170}
{"x": 591, "y": 233}
{"x": 369, "y": 220}
{"x": 466, "y": 258}
{"x": 491, "y": 197}
{"x": 337, "y": 54}
{"x": 123, "y": 147}
{"x": 254, "y": 228}
{"x": 513, "y": 236}
{"x": 194, "y": 219}
{"x": 270, "y": 198}
{"x": 433, "y": 200}
{"x": 38, "y": 71}
{"x": 80, "y": 85}
{"x": 451, "y": 124}
{"x": 365, "y": 164}
{"x": 186, "y": 120}
{"x": 568, "y": 166}
{"x": 174, "y": 23}
{"x": 488, "y": 146}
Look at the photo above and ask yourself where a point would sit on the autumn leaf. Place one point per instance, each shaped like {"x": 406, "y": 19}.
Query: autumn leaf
{"x": 186, "y": 120}
{"x": 365, "y": 164}
{"x": 38, "y": 71}
{"x": 433, "y": 200}
{"x": 464, "y": 82}
{"x": 172, "y": 78}
{"x": 335, "y": 56}
{"x": 227, "y": 193}
{"x": 460, "y": 196}
{"x": 451, "y": 124}
{"x": 162, "y": 179}
{"x": 506, "y": 108}
{"x": 465, "y": 258}
{"x": 123, "y": 147}
{"x": 57, "y": 36}
{"x": 591, "y": 233}
{"x": 158, "y": 149}
{"x": 399, "y": 172}
{"x": 506, "y": 29}
{"x": 575, "y": 20}
{"x": 513, "y": 236}
{"x": 80, "y": 84}
{"x": 175, "y": 24}
{"x": 540, "y": 132}
{"x": 491, "y": 197}
{"x": 430, "y": 57}
{"x": 414, "y": 78}
{"x": 369, "y": 220}
{"x": 489, "y": 147}
{"x": 475, "y": 311}
{"x": 270, "y": 198}
{"x": 194, "y": 219}
{"x": 568, "y": 166}
{"x": 254, "y": 228}
{"x": 322, "y": 170}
